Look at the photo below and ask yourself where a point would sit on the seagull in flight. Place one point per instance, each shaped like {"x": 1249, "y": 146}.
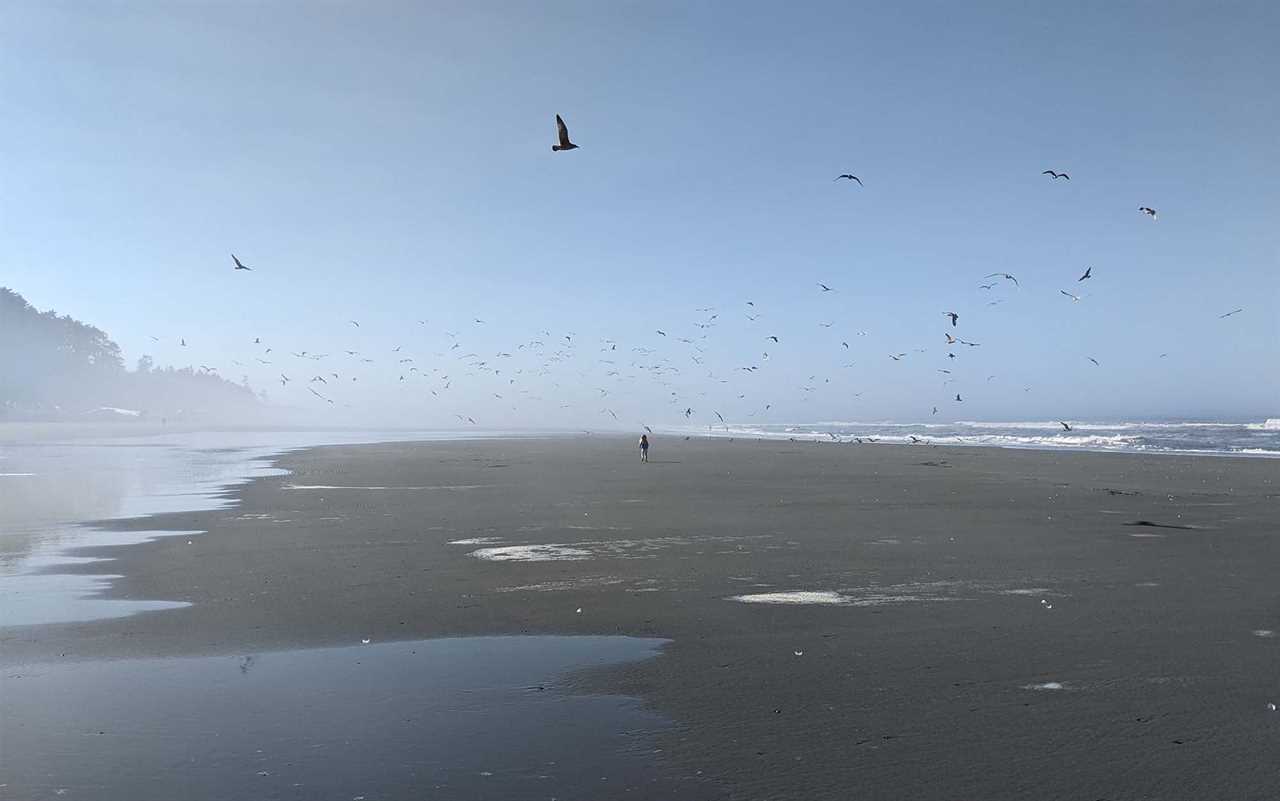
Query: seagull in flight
{"x": 958, "y": 398}
{"x": 898, "y": 357}
{"x": 1075, "y": 298}
{"x": 1095, "y": 361}
{"x": 562, "y": 133}
{"x": 1003, "y": 275}
{"x": 1147, "y": 210}
{"x": 953, "y": 317}
{"x": 825, "y": 288}
{"x": 182, "y": 342}
{"x": 353, "y": 322}
{"x": 1056, "y": 175}
{"x": 775, "y": 339}
{"x": 721, "y": 417}
{"x": 1088, "y": 273}
{"x": 849, "y": 177}
{"x": 1065, "y": 427}
{"x": 1228, "y": 314}
{"x": 951, "y": 340}
{"x": 239, "y": 266}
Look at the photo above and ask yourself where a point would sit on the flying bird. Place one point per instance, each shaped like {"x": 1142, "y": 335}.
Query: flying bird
{"x": 825, "y": 288}
{"x": 1003, "y": 275}
{"x": 720, "y": 416}
{"x": 775, "y": 339}
{"x": 182, "y": 343}
{"x": 1075, "y": 298}
{"x": 239, "y": 266}
{"x": 849, "y": 177}
{"x": 1147, "y": 210}
{"x": 953, "y": 317}
{"x": 958, "y": 398}
{"x": 1088, "y": 273}
{"x": 1065, "y": 427}
{"x": 1095, "y": 361}
{"x": 950, "y": 339}
{"x": 562, "y": 133}
{"x": 353, "y": 322}
{"x": 1228, "y": 314}
{"x": 1056, "y": 175}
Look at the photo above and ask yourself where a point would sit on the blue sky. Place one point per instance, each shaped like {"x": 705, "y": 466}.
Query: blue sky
{"x": 391, "y": 163}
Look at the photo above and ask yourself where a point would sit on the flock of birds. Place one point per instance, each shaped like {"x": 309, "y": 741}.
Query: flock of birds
{"x": 546, "y": 355}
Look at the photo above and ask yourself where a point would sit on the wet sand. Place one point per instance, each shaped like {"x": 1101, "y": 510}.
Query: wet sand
{"x": 975, "y": 623}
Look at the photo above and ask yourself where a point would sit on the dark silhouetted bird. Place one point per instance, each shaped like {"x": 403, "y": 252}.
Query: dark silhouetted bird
{"x": 1056, "y": 175}
{"x": 562, "y": 132}
{"x": 953, "y": 317}
{"x": 849, "y": 177}
{"x": 239, "y": 266}
{"x": 1147, "y": 210}
{"x": 1088, "y": 273}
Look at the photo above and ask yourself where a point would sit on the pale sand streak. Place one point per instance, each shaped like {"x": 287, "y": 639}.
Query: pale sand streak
{"x": 338, "y": 487}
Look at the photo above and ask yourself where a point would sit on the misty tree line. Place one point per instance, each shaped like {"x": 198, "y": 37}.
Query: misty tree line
{"x": 56, "y": 367}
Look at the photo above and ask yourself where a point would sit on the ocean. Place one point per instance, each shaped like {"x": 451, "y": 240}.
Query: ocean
{"x": 1185, "y": 437}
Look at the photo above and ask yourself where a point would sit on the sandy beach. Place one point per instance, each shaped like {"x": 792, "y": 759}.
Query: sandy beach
{"x": 843, "y": 621}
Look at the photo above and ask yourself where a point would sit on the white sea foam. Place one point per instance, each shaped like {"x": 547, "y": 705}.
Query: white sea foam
{"x": 1196, "y": 437}
{"x": 476, "y": 541}
{"x": 1267, "y": 633}
{"x": 532, "y": 553}
{"x": 797, "y": 597}
{"x": 1048, "y": 685}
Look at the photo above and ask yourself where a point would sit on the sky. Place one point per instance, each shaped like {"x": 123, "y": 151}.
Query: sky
{"x": 390, "y": 164}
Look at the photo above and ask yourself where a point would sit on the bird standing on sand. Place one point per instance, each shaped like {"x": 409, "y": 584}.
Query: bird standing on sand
{"x": 849, "y": 177}
{"x": 1056, "y": 175}
{"x": 239, "y": 266}
{"x": 1147, "y": 210}
{"x": 562, "y": 132}
{"x": 953, "y": 317}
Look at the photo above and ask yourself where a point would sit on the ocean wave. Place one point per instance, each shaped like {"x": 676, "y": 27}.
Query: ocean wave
{"x": 1197, "y": 437}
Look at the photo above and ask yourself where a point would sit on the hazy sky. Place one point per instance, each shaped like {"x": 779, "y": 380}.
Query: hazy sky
{"x": 391, "y": 163}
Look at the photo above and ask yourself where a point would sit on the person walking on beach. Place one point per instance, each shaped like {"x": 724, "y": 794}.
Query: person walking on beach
{"x": 644, "y": 447}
